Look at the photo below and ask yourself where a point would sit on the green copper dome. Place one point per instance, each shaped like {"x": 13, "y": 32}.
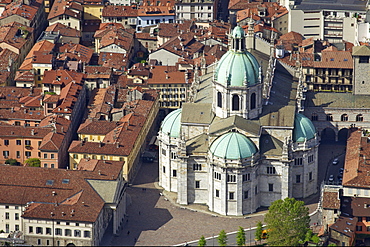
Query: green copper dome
{"x": 171, "y": 124}
{"x": 233, "y": 146}
{"x": 303, "y": 128}
{"x": 235, "y": 68}
{"x": 238, "y": 32}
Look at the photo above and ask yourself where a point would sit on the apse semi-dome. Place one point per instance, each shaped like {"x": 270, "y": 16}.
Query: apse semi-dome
{"x": 303, "y": 128}
{"x": 172, "y": 123}
{"x": 233, "y": 146}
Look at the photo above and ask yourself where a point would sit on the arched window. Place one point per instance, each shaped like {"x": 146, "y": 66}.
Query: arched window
{"x": 253, "y": 101}
{"x": 314, "y": 117}
{"x": 344, "y": 118}
{"x": 359, "y": 118}
{"x": 235, "y": 105}
{"x": 329, "y": 117}
{"x": 219, "y": 99}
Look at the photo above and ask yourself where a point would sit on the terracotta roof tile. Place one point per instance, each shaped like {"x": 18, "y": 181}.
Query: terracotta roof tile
{"x": 357, "y": 164}
{"x": 65, "y": 7}
{"x": 26, "y": 11}
{"x": 75, "y": 198}
{"x": 75, "y": 52}
{"x": 345, "y": 225}
{"x": 117, "y": 61}
{"x": 335, "y": 59}
{"x": 63, "y": 30}
{"x": 331, "y": 200}
{"x": 119, "y": 11}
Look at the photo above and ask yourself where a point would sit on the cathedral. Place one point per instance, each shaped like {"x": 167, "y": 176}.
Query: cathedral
{"x": 242, "y": 149}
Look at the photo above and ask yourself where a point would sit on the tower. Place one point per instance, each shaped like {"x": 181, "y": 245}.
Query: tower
{"x": 237, "y": 88}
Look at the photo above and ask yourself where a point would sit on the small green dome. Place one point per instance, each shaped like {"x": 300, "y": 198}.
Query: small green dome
{"x": 171, "y": 124}
{"x": 233, "y": 146}
{"x": 238, "y": 32}
{"x": 237, "y": 68}
{"x": 303, "y": 128}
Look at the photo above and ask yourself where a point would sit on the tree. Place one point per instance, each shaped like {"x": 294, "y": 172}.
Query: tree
{"x": 222, "y": 238}
{"x": 287, "y": 222}
{"x": 259, "y": 230}
{"x": 12, "y": 162}
{"x": 202, "y": 241}
{"x": 240, "y": 237}
{"x": 35, "y": 162}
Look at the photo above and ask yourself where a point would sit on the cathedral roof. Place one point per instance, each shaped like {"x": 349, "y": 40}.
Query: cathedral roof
{"x": 233, "y": 146}
{"x": 237, "y": 69}
{"x": 303, "y": 128}
{"x": 171, "y": 124}
{"x": 222, "y": 124}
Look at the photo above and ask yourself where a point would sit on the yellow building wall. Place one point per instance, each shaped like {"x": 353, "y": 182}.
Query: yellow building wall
{"x": 91, "y": 138}
{"x": 93, "y": 12}
{"x": 75, "y": 158}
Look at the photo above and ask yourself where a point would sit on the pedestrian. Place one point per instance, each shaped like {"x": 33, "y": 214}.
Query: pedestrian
{"x": 139, "y": 212}
{"x": 135, "y": 240}
{"x": 128, "y": 232}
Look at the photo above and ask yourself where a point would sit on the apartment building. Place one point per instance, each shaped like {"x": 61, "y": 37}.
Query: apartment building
{"x": 66, "y": 34}
{"x": 201, "y": 10}
{"x": 38, "y": 60}
{"x": 53, "y": 207}
{"x": 152, "y": 15}
{"x": 68, "y": 13}
{"x": 125, "y": 15}
{"x": 173, "y": 85}
{"x": 333, "y": 21}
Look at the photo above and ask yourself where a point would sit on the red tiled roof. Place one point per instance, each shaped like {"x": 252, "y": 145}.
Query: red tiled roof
{"x": 184, "y": 45}
{"x": 65, "y": 7}
{"x": 75, "y": 199}
{"x": 75, "y": 52}
{"x": 331, "y": 200}
{"x": 25, "y": 11}
{"x": 117, "y": 61}
{"x": 41, "y": 46}
{"x": 123, "y": 38}
{"x": 356, "y": 166}
{"x": 335, "y": 59}
{"x": 119, "y": 11}
{"x": 64, "y": 30}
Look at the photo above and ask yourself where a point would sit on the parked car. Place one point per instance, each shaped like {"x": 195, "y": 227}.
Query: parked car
{"x": 335, "y": 161}
{"x": 341, "y": 170}
{"x": 331, "y": 178}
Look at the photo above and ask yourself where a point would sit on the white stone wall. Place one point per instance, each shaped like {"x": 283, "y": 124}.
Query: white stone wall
{"x": 244, "y": 94}
{"x": 164, "y": 57}
{"x": 113, "y": 48}
{"x": 12, "y": 222}
{"x": 34, "y": 238}
{"x": 144, "y": 21}
{"x": 189, "y": 131}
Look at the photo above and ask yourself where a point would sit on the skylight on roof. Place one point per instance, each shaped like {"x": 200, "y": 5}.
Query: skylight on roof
{"x": 65, "y": 181}
{"x": 49, "y": 182}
